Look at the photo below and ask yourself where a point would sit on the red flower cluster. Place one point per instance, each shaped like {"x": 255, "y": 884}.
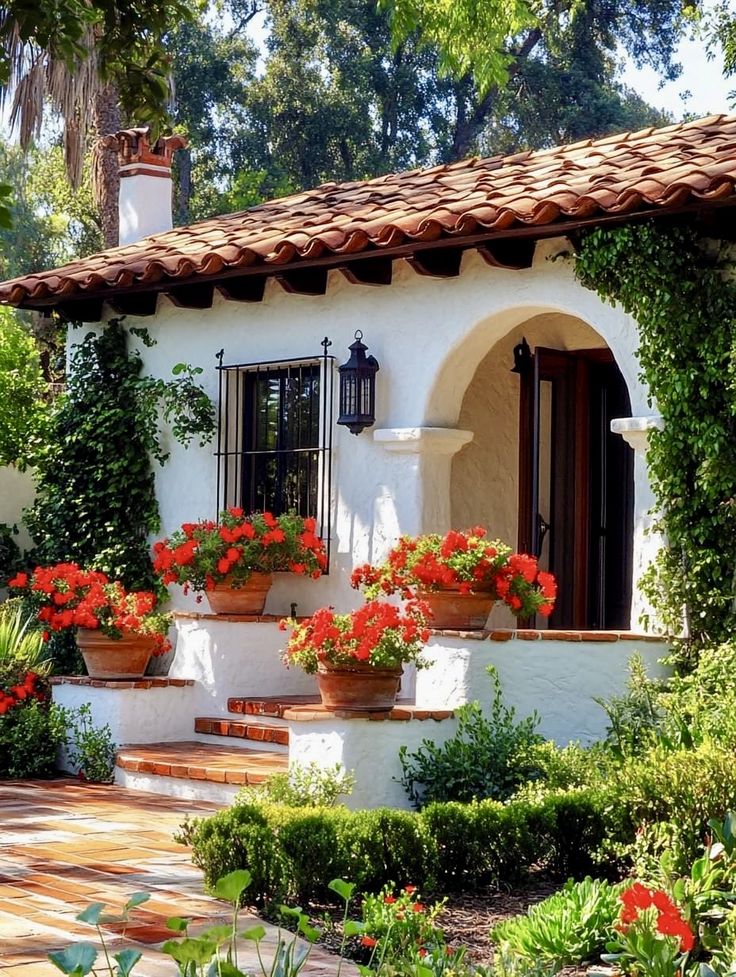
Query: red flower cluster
{"x": 24, "y": 691}
{"x": 203, "y": 553}
{"x": 466, "y": 561}
{"x": 66, "y": 596}
{"x": 377, "y": 634}
{"x": 669, "y": 921}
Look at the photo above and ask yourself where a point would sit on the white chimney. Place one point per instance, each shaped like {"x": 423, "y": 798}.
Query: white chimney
{"x": 145, "y": 182}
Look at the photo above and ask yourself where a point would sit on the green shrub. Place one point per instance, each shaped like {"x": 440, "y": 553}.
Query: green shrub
{"x": 486, "y": 758}
{"x": 21, "y": 645}
{"x": 243, "y": 835}
{"x": 303, "y": 786}
{"x": 90, "y": 748}
{"x": 30, "y": 736}
{"x": 565, "y": 768}
{"x": 572, "y": 926}
{"x": 684, "y": 788}
{"x": 634, "y": 717}
{"x": 703, "y": 704}
{"x": 293, "y": 852}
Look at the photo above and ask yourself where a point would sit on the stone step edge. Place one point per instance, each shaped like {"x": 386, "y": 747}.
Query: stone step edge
{"x": 198, "y": 771}
{"x": 484, "y": 634}
{"x": 257, "y": 732}
{"x": 509, "y": 634}
{"x": 238, "y": 618}
{"x": 313, "y": 711}
{"x": 147, "y": 682}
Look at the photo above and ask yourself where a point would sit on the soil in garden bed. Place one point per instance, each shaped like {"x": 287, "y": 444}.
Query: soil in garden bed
{"x": 466, "y": 920}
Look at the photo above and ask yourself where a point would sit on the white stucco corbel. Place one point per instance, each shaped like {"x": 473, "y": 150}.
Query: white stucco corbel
{"x": 423, "y": 440}
{"x": 635, "y": 430}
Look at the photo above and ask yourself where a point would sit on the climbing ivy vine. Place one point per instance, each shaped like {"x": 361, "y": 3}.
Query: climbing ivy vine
{"x": 96, "y": 502}
{"x": 679, "y": 288}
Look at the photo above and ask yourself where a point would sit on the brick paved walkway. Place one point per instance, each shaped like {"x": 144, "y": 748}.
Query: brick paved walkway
{"x": 64, "y": 844}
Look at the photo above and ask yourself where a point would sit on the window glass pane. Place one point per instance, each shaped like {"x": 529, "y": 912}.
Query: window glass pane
{"x": 281, "y": 440}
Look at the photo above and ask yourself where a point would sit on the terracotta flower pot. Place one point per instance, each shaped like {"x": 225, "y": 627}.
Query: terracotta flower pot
{"x": 454, "y": 610}
{"x": 359, "y": 688}
{"x": 108, "y": 658}
{"x": 247, "y": 598}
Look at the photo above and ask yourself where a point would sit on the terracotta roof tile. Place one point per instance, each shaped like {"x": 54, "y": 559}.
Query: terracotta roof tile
{"x": 654, "y": 169}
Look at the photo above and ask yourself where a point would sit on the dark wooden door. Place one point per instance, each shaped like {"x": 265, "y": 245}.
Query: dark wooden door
{"x": 576, "y": 484}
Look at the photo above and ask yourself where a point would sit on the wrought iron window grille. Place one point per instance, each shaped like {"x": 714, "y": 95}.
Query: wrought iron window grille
{"x": 274, "y": 436}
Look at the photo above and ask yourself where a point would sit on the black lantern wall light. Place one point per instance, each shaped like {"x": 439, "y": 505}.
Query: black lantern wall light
{"x": 358, "y": 388}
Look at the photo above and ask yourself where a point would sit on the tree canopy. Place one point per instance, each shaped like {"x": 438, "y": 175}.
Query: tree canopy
{"x": 337, "y": 93}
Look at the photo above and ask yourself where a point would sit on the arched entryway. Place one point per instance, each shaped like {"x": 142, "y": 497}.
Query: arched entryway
{"x": 544, "y": 472}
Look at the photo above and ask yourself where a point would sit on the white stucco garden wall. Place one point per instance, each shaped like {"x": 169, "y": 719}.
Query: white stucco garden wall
{"x": 429, "y": 336}
{"x": 17, "y": 492}
{"x": 559, "y": 680}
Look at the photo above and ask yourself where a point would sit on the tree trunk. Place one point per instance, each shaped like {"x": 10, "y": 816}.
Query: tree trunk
{"x": 106, "y": 121}
{"x": 183, "y": 190}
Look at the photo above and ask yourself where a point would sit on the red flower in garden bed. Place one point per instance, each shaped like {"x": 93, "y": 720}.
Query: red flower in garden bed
{"x": 25, "y": 691}
{"x": 204, "y": 553}
{"x": 66, "y": 597}
{"x": 644, "y": 907}
{"x": 467, "y": 561}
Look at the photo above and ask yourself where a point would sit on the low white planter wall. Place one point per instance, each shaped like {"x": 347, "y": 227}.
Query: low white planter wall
{"x": 234, "y": 658}
{"x": 162, "y": 713}
{"x": 557, "y": 676}
{"x": 368, "y": 748}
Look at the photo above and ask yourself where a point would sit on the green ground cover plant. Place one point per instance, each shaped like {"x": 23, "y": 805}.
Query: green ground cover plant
{"x": 306, "y": 785}
{"x": 567, "y": 928}
{"x": 490, "y": 756}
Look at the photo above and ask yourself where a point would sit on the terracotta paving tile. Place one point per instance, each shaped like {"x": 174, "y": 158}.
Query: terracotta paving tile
{"x": 44, "y": 885}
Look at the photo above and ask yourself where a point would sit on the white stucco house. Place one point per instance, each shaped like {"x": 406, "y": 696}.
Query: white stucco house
{"x": 508, "y": 395}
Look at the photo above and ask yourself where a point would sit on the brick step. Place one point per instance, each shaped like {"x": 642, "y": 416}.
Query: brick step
{"x": 305, "y": 708}
{"x": 195, "y": 761}
{"x": 270, "y": 736}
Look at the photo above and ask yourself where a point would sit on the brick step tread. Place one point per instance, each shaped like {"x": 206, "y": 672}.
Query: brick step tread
{"x": 306, "y": 708}
{"x": 258, "y": 732}
{"x": 191, "y": 760}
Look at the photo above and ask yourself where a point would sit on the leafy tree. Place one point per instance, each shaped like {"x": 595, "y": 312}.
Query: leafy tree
{"x": 23, "y": 410}
{"x": 212, "y": 65}
{"x": 86, "y": 61}
{"x": 52, "y": 223}
{"x": 567, "y": 48}
{"x": 336, "y": 98}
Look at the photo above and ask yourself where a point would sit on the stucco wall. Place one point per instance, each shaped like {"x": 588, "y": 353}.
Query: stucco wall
{"x": 17, "y": 491}
{"x": 429, "y": 336}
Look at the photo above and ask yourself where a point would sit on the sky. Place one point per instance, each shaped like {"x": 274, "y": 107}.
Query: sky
{"x": 700, "y": 90}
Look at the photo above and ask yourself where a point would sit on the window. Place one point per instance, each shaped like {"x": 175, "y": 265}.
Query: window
{"x": 275, "y": 437}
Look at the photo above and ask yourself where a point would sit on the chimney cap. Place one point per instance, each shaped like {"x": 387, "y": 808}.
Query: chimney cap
{"x": 134, "y": 146}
